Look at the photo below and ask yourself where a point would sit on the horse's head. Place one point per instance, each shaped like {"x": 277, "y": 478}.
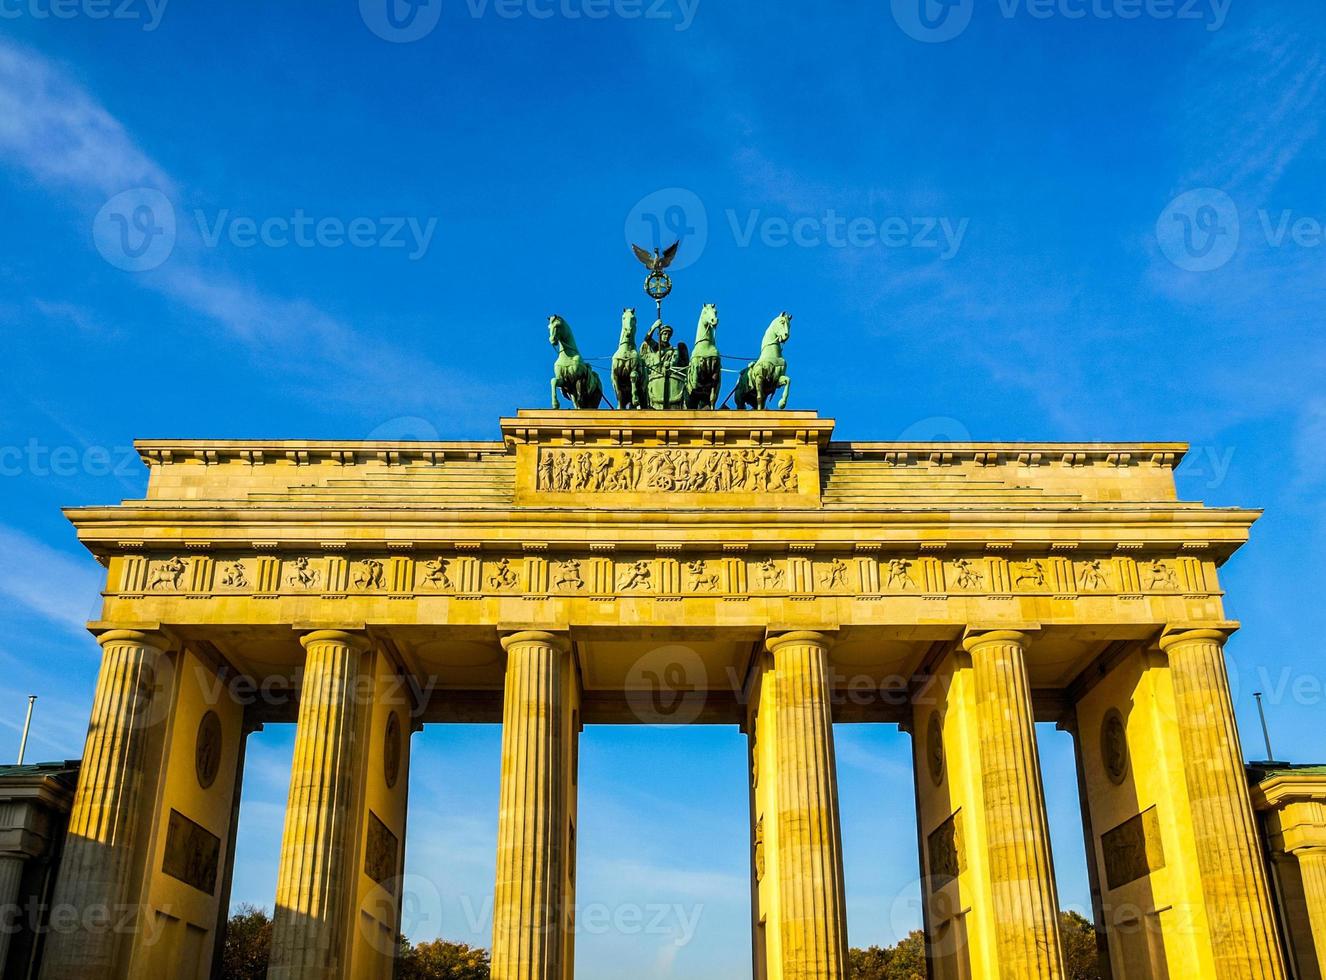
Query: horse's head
{"x": 629, "y": 324}
{"x": 556, "y": 329}
{"x": 708, "y": 322}
{"x": 780, "y": 330}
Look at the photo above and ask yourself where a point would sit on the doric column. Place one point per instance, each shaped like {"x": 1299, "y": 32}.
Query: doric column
{"x": 1312, "y": 869}
{"x": 11, "y": 877}
{"x": 1026, "y": 907}
{"x": 532, "y": 898}
{"x": 811, "y": 904}
{"x": 1233, "y": 877}
{"x": 117, "y": 780}
{"x": 316, "y": 879}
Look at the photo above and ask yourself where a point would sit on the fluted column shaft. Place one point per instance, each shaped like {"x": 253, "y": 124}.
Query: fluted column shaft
{"x": 1026, "y": 906}
{"x": 812, "y": 906}
{"x": 1312, "y": 869}
{"x": 316, "y": 880}
{"x": 117, "y": 780}
{"x": 11, "y": 877}
{"x": 528, "y": 902}
{"x": 1234, "y": 885}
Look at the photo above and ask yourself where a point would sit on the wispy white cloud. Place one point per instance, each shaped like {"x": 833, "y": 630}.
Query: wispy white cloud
{"x": 48, "y": 583}
{"x": 52, "y": 128}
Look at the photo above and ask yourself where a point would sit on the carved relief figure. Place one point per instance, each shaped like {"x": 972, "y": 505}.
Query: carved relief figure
{"x": 568, "y": 575}
{"x": 437, "y": 575}
{"x": 702, "y": 580}
{"x": 900, "y": 576}
{"x": 774, "y": 574}
{"x": 759, "y": 850}
{"x": 234, "y": 576}
{"x": 170, "y": 575}
{"x": 969, "y": 576}
{"x": 783, "y": 478}
{"x": 628, "y": 474}
{"x": 305, "y": 576}
{"x": 836, "y": 574}
{"x": 1033, "y": 574}
{"x": 638, "y": 575}
{"x": 1093, "y": 574}
{"x": 1160, "y": 576}
{"x": 371, "y": 575}
{"x": 504, "y": 577}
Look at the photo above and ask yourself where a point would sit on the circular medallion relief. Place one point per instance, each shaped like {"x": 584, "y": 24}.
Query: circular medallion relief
{"x": 391, "y": 750}
{"x": 934, "y": 748}
{"x": 207, "y": 750}
{"x": 1114, "y": 747}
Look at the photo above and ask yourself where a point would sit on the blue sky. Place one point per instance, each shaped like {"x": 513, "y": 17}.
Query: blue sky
{"x": 1008, "y": 219}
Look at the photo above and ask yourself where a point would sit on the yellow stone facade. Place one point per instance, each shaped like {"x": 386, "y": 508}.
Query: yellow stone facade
{"x": 697, "y": 568}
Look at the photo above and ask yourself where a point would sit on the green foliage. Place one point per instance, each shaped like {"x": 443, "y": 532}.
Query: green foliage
{"x": 906, "y": 961}
{"x": 248, "y": 945}
{"x": 441, "y": 960}
{"x": 1080, "y": 956}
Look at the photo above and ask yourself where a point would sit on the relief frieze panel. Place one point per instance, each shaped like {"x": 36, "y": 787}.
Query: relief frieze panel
{"x": 680, "y": 573}
{"x": 751, "y": 470}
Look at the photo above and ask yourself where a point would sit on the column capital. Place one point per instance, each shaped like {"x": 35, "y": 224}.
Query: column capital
{"x": 1175, "y": 635}
{"x": 815, "y": 638}
{"x": 976, "y": 638}
{"x": 144, "y": 638}
{"x": 355, "y": 640}
{"x": 558, "y": 641}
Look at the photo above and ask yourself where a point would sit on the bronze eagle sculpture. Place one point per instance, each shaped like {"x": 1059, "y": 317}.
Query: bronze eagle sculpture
{"x": 656, "y": 262}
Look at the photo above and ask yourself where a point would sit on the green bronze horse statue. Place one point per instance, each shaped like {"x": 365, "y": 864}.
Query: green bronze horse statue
{"x": 628, "y": 369}
{"x": 576, "y": 379}
{"x": 705, "y": 375}
{"x": 760, "y": 379}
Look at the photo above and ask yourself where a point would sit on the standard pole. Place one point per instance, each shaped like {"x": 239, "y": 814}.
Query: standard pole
{"x": 27, "y": 725}
{"x": 1266, "y": 732}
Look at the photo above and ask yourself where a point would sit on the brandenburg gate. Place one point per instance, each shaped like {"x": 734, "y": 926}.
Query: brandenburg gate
{"x": 695, "y": 567}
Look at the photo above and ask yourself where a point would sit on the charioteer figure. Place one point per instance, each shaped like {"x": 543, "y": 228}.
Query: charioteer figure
{"x": 666, "y": 368}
